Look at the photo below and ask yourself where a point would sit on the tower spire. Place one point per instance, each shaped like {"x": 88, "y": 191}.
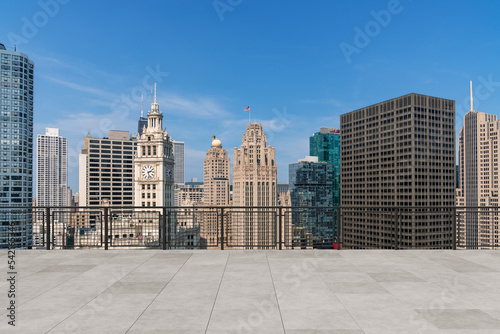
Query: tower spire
{"x": 155, "y": 108}
{"x": 471, "y": 98}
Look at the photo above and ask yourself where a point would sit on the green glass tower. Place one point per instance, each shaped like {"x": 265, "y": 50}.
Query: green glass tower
{"x": 325, "y": 145}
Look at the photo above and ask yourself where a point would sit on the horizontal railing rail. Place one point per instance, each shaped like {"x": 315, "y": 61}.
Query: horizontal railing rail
{"x": 258, "y": 227}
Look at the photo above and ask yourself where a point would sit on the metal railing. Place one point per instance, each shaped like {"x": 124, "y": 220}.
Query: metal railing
{"x": 232, "y": 227}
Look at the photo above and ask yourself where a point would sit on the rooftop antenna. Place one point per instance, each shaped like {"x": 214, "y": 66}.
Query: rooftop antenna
{"x": 471, "y": 98}
{"x": 142, "y": 105}
{"x": 15, "y": 47}
{"x": 155, "y": 92}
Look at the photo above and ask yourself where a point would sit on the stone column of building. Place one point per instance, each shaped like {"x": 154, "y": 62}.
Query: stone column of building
{"x": 254, "y": 185}
{"x": 287, "y": 229}
{"x": 398, "y": 174}
{"x": 216, "y": 194}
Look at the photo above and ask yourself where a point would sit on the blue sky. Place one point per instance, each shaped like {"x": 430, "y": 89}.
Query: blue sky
{"x": 211, "y": 59}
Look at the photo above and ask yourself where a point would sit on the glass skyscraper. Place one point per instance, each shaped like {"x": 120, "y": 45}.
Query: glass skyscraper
{"x": 311, "y": 184}
{"x": 141, "y": 123}
{"x": 325, "y": 145}
{"x": 16, "y": 147}
{"x": 178, "y": 162}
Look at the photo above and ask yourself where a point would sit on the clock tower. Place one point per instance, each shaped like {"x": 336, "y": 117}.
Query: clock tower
{"x": 154, "y": 163}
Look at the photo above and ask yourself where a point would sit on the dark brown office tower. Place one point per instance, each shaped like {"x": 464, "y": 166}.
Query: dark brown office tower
{"x": 398, "y": 174}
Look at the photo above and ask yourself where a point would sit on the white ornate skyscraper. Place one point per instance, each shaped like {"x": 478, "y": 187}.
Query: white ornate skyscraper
{"x": 254, "y": 184}
{"x": 154, "y": 163}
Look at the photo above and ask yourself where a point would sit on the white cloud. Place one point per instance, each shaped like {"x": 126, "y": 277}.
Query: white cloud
{"x": 193, "y": 163}
{"x": 204, "y": 107}
{"x": 328, "y": 101}
{"x": 81, "y": 88}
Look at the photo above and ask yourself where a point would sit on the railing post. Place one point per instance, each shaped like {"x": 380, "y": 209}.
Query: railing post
{"x": 336, "y": 227}
{"x": 47, "y": 214}
{"x": 169, "y": 229}
{"x": 398, "y": 239}
{"x": 106, "y": 231}
{"x": 454, "y": 228}
{"x": 340, "y": 227}
{"x": 164, "y": 228}
{"x": 222, "y": 228}
{"x": 280, "y": 227}
{"x": 395, "y": 226}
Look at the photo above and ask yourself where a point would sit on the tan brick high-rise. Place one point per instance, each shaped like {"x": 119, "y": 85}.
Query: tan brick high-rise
{"x": 254, "y": 184}
{"x": 478, "y": 152}
{"x": 216, "y": 194}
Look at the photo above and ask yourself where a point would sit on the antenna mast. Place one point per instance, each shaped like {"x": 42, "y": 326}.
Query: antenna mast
{"x": 471, "y": 98}
{"x": 142, "y": 105}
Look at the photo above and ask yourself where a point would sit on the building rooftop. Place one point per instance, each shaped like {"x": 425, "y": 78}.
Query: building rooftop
{"x": 144, "y": 291}
{"x": 118, "y": 135}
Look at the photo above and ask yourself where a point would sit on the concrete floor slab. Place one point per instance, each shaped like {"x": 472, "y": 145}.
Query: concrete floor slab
{"x": 246, "y": 291}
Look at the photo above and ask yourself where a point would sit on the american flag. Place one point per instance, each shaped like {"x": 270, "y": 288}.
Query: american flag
{"x": 247, "y": 108}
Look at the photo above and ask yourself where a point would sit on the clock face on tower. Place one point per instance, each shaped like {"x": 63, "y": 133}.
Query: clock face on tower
{"x": 148, "y": 172}
{"x": 169, "y": 173}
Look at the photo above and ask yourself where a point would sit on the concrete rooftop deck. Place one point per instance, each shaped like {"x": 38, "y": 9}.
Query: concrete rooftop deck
{"x": 150, "y": 291}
